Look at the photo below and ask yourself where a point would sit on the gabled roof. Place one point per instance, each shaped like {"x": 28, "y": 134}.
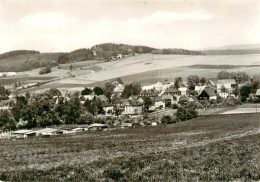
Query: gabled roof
{"x": 134, "y": 103}
{"x": 183, "y": 89}
{"x": 98, "y": 125}
{"x": 211, "y": 82}
{"x": 209, "y": 91}
{"x": 183, "y": 98}
{"x": 172, "y": 90}
{"x": 194, "y": 98}
{"x": 231, "y": 81}
{"x": 103, "y": 98}
{"x": 197, "y": 88}
{"x": 49, "y": 130}
{"x": 23, "y": 131}
{"x": 149, "y": 91}
{"x": 257, "y": 92}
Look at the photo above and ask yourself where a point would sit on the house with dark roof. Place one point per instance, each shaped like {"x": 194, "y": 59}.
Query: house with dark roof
{"x": 208, "y": 94}
{"x": 149, "y": 93}
{"x": 194, "y": 100}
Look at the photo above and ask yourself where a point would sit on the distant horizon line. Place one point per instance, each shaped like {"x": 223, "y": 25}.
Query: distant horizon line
{"x": 201, "y": 49}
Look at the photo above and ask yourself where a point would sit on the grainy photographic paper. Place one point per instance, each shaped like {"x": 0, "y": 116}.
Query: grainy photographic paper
{"x": 121, "y": 90}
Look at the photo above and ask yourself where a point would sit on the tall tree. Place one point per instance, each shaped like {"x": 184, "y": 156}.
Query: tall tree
{"x": 178, "y": 82}
{"x": 193, "y": 80}
{"x": 98, "y": 91}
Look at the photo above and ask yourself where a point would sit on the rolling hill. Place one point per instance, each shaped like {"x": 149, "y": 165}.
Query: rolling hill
{"x": 26, "y": 60}
{"x": 237, "y": 47}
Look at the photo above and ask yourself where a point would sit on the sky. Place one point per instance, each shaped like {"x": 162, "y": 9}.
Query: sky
{"x": 64, "y": 25}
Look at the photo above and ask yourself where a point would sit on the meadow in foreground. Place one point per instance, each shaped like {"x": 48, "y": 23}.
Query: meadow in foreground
{"x": 210, "y": 148}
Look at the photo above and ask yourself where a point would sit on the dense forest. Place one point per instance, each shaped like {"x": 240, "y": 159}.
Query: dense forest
{"x": 17, "y": 53}
{"x": 110, "y": 49}
{"x": 177, "y": 51}
{"x": 76, "y": 56}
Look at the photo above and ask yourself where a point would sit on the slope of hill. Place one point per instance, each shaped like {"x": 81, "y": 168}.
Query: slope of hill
{"x": 24, "y": 60}
{"x": 238, "y": 47}
{"x": 232, "y": 51}
{"x": 76, "y": 56}
{"x": 28, "y": 62}
{"x": 17, "y": 53}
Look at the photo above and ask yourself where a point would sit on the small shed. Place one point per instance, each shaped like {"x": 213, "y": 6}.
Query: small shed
{"x": 50, "y": 131}
{"x": 24, "y": 133}
{"x": 154, "y": 124}
{"x": 126, "y": 125}
{"x": 97, "y": 126}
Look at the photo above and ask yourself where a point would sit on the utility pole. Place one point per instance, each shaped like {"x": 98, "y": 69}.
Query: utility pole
{"x": 131, "y": 89}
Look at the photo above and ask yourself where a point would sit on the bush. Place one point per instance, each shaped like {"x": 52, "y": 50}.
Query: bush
{"x": 113, "y": 174}
{"x": 86, "y": 91}
{"x": 45, "y": 70}
{"x": 98, "y": 91}
{"x": 175, "y": 106}
{"x": 167, "y": 120}
{"x": 184, "y": 114}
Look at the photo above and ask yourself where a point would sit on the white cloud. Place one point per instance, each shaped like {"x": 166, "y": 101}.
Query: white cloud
{"x": 169, "y": 17}
{"x": 47, "y": 18}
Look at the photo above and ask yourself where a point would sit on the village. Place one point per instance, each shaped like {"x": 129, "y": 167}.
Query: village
{"x": 119, "y": 105}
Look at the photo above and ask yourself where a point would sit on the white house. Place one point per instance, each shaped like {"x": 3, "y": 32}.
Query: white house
{"x": 154, "y": 124}
{"x": 157, "y": 86}
{"x": 109, "y": 109}
{"x": 89, "y": 97}
{"x": 119, "y": 56}
{"x": 184, "y": 90}
{"x": 199, "y": 89}
{"x": 118, "y": 90}
{"x": 229, "y": 84}
{"x": 158, "y": 102}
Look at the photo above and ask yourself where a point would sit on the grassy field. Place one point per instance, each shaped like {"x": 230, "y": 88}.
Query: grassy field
{"x": 27, "y": 62}
{"x": 243, "y": 110}
{"x": 211, "y": 148}
{"x": 149, "y": 68}
{"x": 7, "y": 81}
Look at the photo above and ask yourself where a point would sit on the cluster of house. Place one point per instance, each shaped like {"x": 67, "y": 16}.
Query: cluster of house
{"x": 117, "y": 57}
{"x": 162, "y": 94}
